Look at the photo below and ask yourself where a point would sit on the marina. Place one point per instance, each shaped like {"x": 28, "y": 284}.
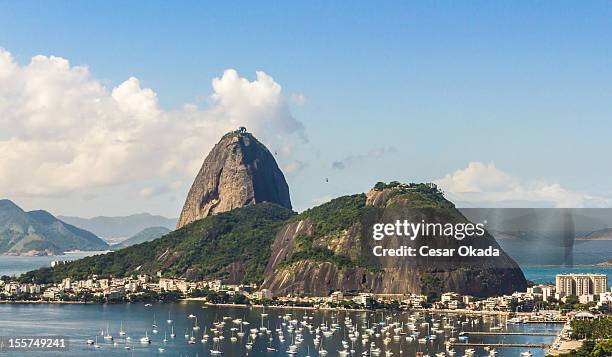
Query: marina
{"x": 190, "y": 328}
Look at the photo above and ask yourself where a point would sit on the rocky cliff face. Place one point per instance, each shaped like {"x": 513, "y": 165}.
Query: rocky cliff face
{"x": 323, "y": 251}
{"x": 237, "y": 172}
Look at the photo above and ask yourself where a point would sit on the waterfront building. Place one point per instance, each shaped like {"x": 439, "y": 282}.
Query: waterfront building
{"x": 214, "y": 285}
{"x": 262, "y": 294}
{"x": 580, "y": 284}
{"x": 364, "y": 299}
{"x": 50, "y": 294}
{"x": 450, "y": 296}
{"x": 66, "y": 284}
{"x": 548, "y": 292}
{"x": 336, "y": 296}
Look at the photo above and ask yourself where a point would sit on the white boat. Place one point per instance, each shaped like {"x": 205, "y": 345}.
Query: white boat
{"x": 121, "y": 330}
{"x": 145, "y": 338}
{"x": 216, "y": 350}
{"x": 108, "y": 336}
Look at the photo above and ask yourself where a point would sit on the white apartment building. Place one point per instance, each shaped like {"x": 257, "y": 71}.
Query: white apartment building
{"x": 580, "y": 284}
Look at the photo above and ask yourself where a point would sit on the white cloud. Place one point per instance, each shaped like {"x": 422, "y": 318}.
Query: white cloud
{"x": 484, "y": 183}
{"x": 63, "y": 130}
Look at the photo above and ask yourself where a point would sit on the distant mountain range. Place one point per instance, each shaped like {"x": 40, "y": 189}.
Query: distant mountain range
{"x": 146, "y": 235}
{"x": 40, "y": 233}
{"x": 122, "y": 226}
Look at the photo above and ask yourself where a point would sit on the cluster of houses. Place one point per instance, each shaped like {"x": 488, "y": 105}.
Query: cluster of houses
{"x": 122, "y": 288}
{"x": 112, "y": 288}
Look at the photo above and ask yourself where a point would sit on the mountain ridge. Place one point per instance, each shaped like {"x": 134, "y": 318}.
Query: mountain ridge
{"x": 146, "y": 235}
{"x": 39, "y": 232}
{"x": 120, "y": 226}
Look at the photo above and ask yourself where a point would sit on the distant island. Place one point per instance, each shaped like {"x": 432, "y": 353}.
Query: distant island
{"x": 602, "y": 234}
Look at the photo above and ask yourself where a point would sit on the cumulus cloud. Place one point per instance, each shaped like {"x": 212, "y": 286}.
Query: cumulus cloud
{"x": 63, "y": 130}
{"x": 355, "y": 159}
{"x": 484, "y": 183}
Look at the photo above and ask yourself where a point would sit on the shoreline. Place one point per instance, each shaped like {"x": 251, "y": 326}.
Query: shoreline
{"x": 29, "y": 302}
{"x": 280, "y": 307}
{"x": 564, "y": 345}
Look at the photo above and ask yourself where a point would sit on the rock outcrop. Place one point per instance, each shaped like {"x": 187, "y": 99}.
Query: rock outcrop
{"x": 325, "y": 250}
{"x": 237, "y": 172}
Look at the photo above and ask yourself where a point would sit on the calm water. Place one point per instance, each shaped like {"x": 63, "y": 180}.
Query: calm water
{"x": 16, "y": 265}
{"x": 546, "y": 274}
{"x": 81, "y": 322}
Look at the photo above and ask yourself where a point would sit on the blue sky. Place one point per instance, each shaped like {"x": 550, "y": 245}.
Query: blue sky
{"x": 406, "y": 91}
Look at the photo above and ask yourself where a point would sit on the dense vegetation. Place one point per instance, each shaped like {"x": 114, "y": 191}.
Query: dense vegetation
{"x": 330, "y": 220}
{"x": 333, "y": 218}
{"x": 597, "y": 334}
{"x": 592, "y": 329}
{"x": 236, "y": 242}
{"x": 431, "y": 286}
{"x": 415, "y": 195}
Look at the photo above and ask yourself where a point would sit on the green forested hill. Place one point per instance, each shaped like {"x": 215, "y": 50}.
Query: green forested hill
{"x": 233, "y": 245}
{"x": 326, "y": 248}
